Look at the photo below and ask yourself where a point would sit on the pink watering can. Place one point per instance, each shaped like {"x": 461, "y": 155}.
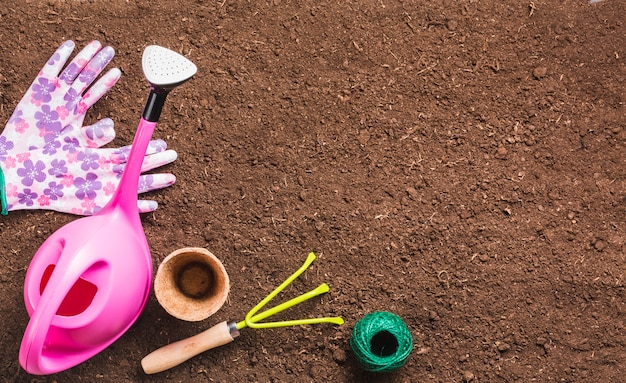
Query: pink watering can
{"x": 90, "y": 280}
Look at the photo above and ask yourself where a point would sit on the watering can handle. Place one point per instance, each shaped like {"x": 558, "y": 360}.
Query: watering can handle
{"x": 65, "y": 275}
{"x": 176, "y": 353}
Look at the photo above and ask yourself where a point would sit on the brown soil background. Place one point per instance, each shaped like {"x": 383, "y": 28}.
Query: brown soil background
{"x": 458, "y": 163}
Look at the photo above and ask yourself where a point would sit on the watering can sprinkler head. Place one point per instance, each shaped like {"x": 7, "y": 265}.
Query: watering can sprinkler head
{"x": 164, "y": 69}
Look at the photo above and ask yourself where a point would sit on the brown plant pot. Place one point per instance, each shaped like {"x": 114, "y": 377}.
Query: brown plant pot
{"x": 191, "y": 284}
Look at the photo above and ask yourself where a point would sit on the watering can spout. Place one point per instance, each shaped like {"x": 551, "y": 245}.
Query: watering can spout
{"x": 126, "y": 193}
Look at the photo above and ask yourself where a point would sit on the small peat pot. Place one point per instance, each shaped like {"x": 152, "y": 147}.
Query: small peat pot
{"x": 191, "y": 284}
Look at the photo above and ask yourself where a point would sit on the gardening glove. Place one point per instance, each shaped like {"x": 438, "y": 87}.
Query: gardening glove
{"x": 58, "y": 99}
{"x": 46, "y": 128}
{"x": 75, "y": 179}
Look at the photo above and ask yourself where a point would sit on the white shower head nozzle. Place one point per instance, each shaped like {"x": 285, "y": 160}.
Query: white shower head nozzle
{"x": 165, "y": 69}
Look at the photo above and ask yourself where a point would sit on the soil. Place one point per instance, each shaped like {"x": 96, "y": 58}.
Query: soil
{"x": 457, "y": 163}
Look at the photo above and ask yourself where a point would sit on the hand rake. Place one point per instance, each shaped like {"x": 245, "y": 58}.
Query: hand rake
{"x": 225, "y": 332}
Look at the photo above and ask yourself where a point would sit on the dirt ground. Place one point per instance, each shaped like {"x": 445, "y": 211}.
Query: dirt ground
{"x": 458, "y": 163}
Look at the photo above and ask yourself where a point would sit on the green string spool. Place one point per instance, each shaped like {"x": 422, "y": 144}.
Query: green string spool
{"x": 381, "y": 342}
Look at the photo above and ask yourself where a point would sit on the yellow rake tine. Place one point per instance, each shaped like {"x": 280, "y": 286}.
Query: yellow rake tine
{"x": 252, "y": 318}
{"x": 253, "y": 321}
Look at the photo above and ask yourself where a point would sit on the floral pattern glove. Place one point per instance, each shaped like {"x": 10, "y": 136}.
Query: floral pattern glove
{"x": 56, "y": 100}
{"x": 75, "y": 179}
{"x": 50, "y": 161}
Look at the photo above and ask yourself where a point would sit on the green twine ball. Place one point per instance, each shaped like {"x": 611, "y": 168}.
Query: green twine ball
{"x": 381, "y": 342}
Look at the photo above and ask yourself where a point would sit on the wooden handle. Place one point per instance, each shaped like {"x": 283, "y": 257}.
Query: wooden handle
{"x": 176, "y": 353}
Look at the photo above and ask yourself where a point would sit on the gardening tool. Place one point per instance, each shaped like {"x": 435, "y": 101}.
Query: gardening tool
{"x": 225, "y": 332}
{"x": 90, "y": 280}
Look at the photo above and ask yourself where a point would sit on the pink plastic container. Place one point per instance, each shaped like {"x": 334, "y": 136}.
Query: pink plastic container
{"x": 90, "y": 280}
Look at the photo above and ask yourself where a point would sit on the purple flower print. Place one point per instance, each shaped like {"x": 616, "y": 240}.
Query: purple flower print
{"x": 16, "y": 117}
{"x": 118, "y": 170}
{"x": 55, "y": 57}
{"x": 51, "y": 147}
{"x": 57, "y": 168}
{"x": 89, "y": 160}
{"x": 86, "y": 187}
{"x": 42, "y": 90}
{"x": 5, "y": 147}
{"x": 70, "y": 144}
{"x": 48, "y": 119}
{"x": 54, "y": 191}
{"x": 27, "y": 197}
{"x": 102, "y": 58}
{"x": 49, "y": 139}
{"x": 69, "y": 74}
{"x": 158, "y": 145}
{"x": 71, "y": 98}
{"x": 124, "y": 152}
{"x": 95, "y": 130}
{"x": 86, "y": 76}
{"x": 32, "y": 172}
{"x": 145, "y": 182}
{"x": 17, "y": 121}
